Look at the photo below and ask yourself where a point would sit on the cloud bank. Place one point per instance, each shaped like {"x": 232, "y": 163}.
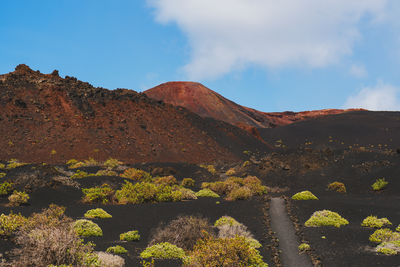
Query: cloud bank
{"x": 227, "y": 35}
{"x": 381, "y": 97}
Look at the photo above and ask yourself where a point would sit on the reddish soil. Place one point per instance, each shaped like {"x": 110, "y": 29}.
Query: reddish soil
{"x": 207, "y": 103}
{"x": 44, "y": 112}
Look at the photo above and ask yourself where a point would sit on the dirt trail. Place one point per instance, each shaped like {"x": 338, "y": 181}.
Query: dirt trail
{"x": 288, "y": 241}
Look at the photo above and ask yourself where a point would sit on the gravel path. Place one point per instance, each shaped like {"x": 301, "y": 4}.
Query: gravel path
{"x": 288, "y": 241}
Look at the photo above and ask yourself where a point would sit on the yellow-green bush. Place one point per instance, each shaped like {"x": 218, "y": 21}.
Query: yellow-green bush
{"x": 325, "y": 218}
{"x": 384, "y": 235}
{"x": 80, "y": 174}
{"x": 210, "y": 168}
{"x": 130, "y": 236}
{"x": 379, "y": 184}
{"x": 225, "y": 220}
{"x": 206, "y": 193}
{"x": 187, "y": 182}
{"x": 2, "y": 166}
{"x": 100, "y": 194}
{"x": 6, "y": 188}
{"x": 97, "y": 213}
{"x": 147, "y": 192}
{"x": 106, "y": 173}
{"x": 87, "y": 228}
{"x": 10, "y": 223}
{"x": 337, "y": 187}
{"x": 166, "y": 180}
{"x": 117, "y": 250}
{"x": 14, "y": 163}
{"x": 17, "y": 198}
{"x": 112, "y": 163}
{"x": 163, "y": 250}
{"x": 230, "y": 172}
{"x": 187, "y": 194}
{"x": 136, "y": 174}
{"x": 2, "y": 174}
{"x": 240, "y": 193}
{"x": 304, "y": 195}
{"x": 236, "y": 251}
{"x": 398, "y": 228}
{"x": 389, "y": 248}
{"x": 374, "y": 222}
{"x": 304, "y": 247}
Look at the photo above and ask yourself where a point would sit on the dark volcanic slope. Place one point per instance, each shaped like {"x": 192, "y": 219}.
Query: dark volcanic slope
{"x": 44, "y": 112}
{"x": 372, "y": 130}
{"x": 207, "y": 103}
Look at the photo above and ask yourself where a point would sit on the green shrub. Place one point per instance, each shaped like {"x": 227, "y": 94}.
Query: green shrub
{"x": 2, "y": 166}
{"x": 163, "y": 250}
{"x": 80, "y": 174}
{"x": 72, "y": 162}
{"x": 389, "y": 248}
{"x": 374, "y": 222}
{"x": 6, "y": 188}
{"x": 17, "y": 198}
{"x": 136, "y": 174}
{"x": 255, "y": 185}
{"x": 103, "y": 194}
{"x": 384, "y": 235}
{"x": 386, "y": 251}
{"x": 337, "y": 187}
{"x": 117, "y": 250}
{"x": 187, "y": 194}
{"x": 112, "y": 163}
{"x": 187, "y": 182}
{"x": 379, "y": 184}
{"x": 14, "y": 163}
{"x": 230, "y": 172}
{"x": 225, "y": 220}
{"x": 398, "y": 228}
{"x": 106, "y": 173}
{"x": 2, "y": 174}
{"x": 240, "y": 193}
{"x": 325, "y": 218}
{"x": 87, "y": 228}
{"x": 221, "y": 187}
{"x": 206, "y": 193}
{"x": 10, "y": 223}
{"x": 130, "y": 236}
{"x": 235, "y": 251}
{"x": 97, "y": 213}
{"x": 304, "y": 195}
{"x": 166, "y": 180}
{"x": 146, "y": 192}
{"x": 304, "y": 247}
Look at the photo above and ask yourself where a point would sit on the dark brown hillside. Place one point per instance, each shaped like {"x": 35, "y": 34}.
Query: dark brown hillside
{"x": 41, "y": 113}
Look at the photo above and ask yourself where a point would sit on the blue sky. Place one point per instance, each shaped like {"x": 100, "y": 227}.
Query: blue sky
{"x": 269, "y": 55}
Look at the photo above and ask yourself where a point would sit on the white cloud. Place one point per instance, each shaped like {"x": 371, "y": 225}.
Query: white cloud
{"x": 358, "y": 71}
{"x": 381, "y": 97}
{"x": 226, "y": 35}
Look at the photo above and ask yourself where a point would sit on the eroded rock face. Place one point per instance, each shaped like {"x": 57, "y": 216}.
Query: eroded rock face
{"x": 40, "y": 113}
{"x": 207, "y": 103}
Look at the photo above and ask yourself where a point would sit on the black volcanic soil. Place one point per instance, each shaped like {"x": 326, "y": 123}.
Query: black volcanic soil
{"x": 44, "y": 117}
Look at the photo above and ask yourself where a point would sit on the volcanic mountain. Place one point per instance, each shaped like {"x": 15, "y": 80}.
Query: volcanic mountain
{"x": 207, "y": 103}
{"x": 44, "y": 117}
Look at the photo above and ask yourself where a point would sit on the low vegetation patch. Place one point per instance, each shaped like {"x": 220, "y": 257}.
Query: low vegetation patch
{"x": 230, "y": 172}
{"x": 398, "y": 228}
{"x": 136, "y": 174}
{"x": 80, "y": 174}
{"x": 304, "y": 247}
{"x": 325, "y": 218}
{"x": 2, "y": 174}
{"x": 112, "y": 163}
{"x": 166, "y": 180}
{"x": 108, "y": 260}
{"x": 379, "y": 184}
{"x": 97, "y": 213}
{"x": 18, "y": 198}
{"x": 87, "y": 228}
{"x": 374, "y": 222}
{"x": 384, "y": 235}
{"x": 100, "y": 194}
{"x": 117, "y": 250}
{"x": 6, "y": 188}
{"x": 206, "y": 193}
{"x": 389, "y": 248}
{"x": 187, "y": 182}
{"x": 147, "y": 192}
{"x": 225, "y": 220}
{"x": 210, "y": 168}
{"x": 163, "y": 250}
{"x": 10, "y": 223}
{"x": 130, "y": 236}
{"x": 304, "y": 195}
{"x": 106, "y": 173}
{"x": 337, "y": 187}
{"x": 14, "y": 163}
{"x": 187, "y": 194}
